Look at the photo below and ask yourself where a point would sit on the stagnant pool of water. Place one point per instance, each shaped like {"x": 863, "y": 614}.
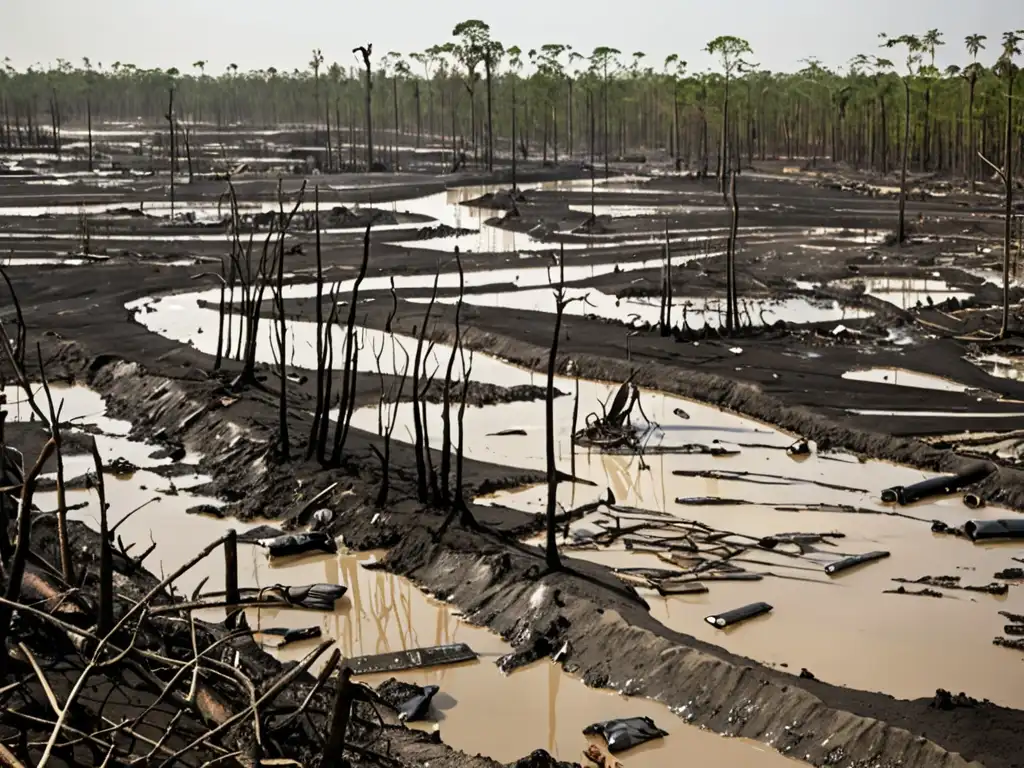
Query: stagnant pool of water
{"x": 693, "y": 312}
{"x": 901, "y": 377}
{"x": 907, "y": 293}
{"x": 1001, "y": 366}
{"x": 379, "y": 613}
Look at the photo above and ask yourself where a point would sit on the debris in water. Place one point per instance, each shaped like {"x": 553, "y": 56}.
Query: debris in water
{"x": 315, "y": 597}
{"x": 626, "y": 733}
{"x": 300, "y": 543}
{"x": 1011, "y": 573}
{"x": 411, "y": 701}
{"x": 613, "y": 429}
{"x": 594, "y": 754}
{"x": 508, "y": 433}
{"x": 854, "y": 560}
{"x": 694, "y": 501}
{"x": 257, "y": 535}
{"x": 418, "y": 658}
{"x": 669, "y": 587}
{"x": 800, "y": 448}
{"x": 737, "y": 615}
{"x": 289, "y": 636}
{"x": 973, "y": 501}
{"x": 953, "y": 582}
{"x": 936, "y": 486}
{"x": 1016, "y": 644}
{"x": 987, "y": 530}
{"x": 920, "y": 593}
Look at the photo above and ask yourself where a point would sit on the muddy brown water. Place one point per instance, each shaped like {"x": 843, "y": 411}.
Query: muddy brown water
{"x": 479, "y": 709}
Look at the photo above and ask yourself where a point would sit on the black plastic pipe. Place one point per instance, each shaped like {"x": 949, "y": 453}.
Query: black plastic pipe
{"x": 735, "y": 616}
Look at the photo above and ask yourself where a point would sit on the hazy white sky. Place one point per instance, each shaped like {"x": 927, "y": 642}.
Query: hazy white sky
{"x": 260, "y": 33}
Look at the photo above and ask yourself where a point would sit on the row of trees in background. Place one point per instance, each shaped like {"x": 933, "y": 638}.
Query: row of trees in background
{"x": 478, "y": 93}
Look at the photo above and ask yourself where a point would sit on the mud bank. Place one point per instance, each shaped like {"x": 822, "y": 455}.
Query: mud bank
{"x": 501, "y": 584}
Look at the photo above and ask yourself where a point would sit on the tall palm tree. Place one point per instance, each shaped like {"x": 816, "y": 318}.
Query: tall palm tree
{"x": 913, "y": 62}
{"x": 975, "y": 43}
{"x": 603, "y": 58}
{"x": 731, "y": 51}
{"x": 931, "y": 40}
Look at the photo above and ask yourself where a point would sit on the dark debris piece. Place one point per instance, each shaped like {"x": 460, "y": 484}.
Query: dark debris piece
{"x": 290, "y": 635}
{"x": 626, "y": 733}
{"x": 315, "y": 597}
{"x": 1016, "y": 644}
{"x": 418, "y": 658}
{"x": 953, "y": 582}
{"x": 301, "y": 543}
{"x": 258, "y": 534}
{"x": 412, "y": 702}
{"x": 920, "y": 593}
{"x": 1011, "y": 573}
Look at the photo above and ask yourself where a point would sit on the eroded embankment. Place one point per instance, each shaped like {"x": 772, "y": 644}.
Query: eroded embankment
{"x": 502, "y": 585}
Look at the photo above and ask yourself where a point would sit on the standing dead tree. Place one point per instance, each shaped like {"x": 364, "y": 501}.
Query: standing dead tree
{"x": 16, "y": 569}
{"x": 446, "y": 420}
{"x": 282, "y": 337}
{"x": 554, "y": 562}
{"x": 170, "y": 122}
{"x": 253, "y": 286}
{"x": 732, "y": 315}
{"x": 666, "y": 288}
{"x": 346, "y": 404}
{"x": 365, "y": 51}
{"x": 390, "y": 397}
{"x": 222, "y": 311}
{"x": 418, "y": 419}
{"x": 321, "y": 374}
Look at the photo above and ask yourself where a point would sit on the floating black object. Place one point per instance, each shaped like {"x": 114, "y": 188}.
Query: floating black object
{"x": 316, "y": 597}
{"x": 936, "y": 486}
{"x": 984, "y": 530}
{"x": 411, "y": 701}
{"x": 417, "y": 707}
{"x": 626, "y": 733}
{"x": 300, "y": 543}
{"x": 973, "y": 501}
{"x": 289, "y": 636}
{"x": 849, "y": 562}
{"x": 735, "y": 616}
{"x": 418, "y": 658}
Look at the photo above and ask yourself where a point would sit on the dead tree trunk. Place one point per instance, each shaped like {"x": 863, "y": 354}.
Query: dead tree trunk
{"x": 348, "y": 382}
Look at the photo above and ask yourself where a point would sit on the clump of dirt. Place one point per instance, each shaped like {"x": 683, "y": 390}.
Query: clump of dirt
{"x": 503, "y": 200}
{"x": 953, "y": 582}
{"x": 918, "y": 593}
{"x": 441, "y": 230}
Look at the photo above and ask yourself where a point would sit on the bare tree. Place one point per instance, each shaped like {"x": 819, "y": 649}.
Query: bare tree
{"x": 554, "y": 562}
